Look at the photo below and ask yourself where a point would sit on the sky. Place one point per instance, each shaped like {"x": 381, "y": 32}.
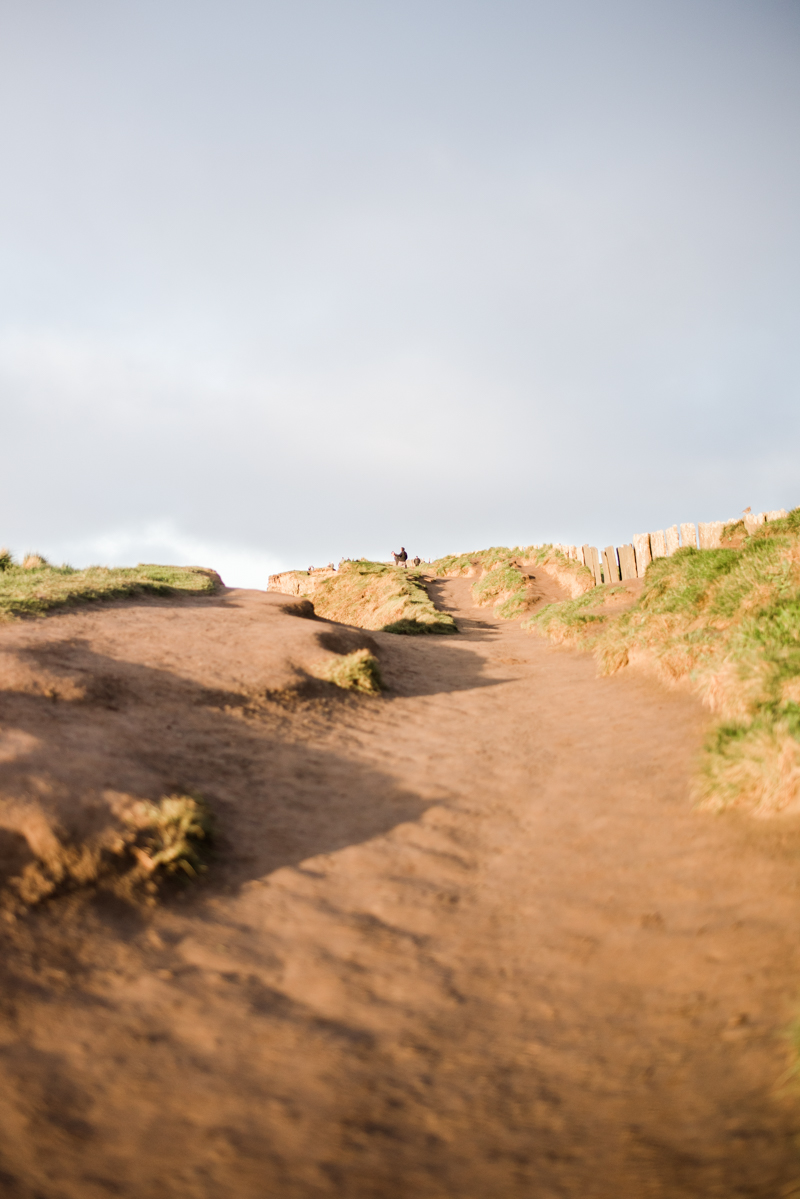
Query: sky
{"x": 282, "y": 283}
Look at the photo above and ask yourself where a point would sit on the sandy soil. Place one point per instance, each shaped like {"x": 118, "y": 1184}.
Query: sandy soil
{"x": 467, "y": 939}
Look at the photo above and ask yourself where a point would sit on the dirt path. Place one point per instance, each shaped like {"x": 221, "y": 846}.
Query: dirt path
{"x": 468, "y": 940}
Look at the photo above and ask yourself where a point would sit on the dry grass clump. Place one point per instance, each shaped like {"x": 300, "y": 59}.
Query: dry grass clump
{"x": 755, "y": 766}
{"x": 725, "y": 622}
{"x": 358, "y": 671}
{"x": 170, "y": 834}
{"x": 35, "y": 587}
{"x": 118, "y": 847}
{"x": 372, "y": 595}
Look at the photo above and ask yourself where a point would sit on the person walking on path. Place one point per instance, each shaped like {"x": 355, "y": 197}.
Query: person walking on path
{"x": 401, "y": 558}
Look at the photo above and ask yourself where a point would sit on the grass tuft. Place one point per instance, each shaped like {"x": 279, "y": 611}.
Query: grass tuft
{"x": 416, "y": 627}
{"x": 170, "y": 834}
{"x": 358, "y": 671}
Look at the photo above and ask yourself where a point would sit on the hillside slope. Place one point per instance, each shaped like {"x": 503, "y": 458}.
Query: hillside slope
{"x": 370, "y": 595}
{"x": 504, "y": 576}
{"x": 725, "y": 623}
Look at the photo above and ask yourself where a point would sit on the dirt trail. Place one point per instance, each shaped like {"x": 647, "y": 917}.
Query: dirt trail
{"x": 468, "y": 940}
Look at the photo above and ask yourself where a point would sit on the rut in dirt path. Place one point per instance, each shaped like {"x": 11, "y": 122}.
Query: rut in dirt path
{"x": 547, "y": 976}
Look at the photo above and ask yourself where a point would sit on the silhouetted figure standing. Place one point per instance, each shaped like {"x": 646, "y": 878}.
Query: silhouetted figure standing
{"x": 401, "y": 558}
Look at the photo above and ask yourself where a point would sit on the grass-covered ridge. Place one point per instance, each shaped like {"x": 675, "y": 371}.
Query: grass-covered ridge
{"x": 373, "y": 595}
{"x": 501, "y": 581}
{"x": 727, "y": 623}
{"x": 503, "y": 575}
{"x": 36, "y": 587}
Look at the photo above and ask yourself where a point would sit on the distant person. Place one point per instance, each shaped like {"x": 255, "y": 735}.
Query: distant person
{"x": 401, "y": 558}
{"x": 416, "y": 561}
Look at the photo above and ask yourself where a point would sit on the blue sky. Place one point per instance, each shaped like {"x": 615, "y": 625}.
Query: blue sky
{"x": 287, "y": 282}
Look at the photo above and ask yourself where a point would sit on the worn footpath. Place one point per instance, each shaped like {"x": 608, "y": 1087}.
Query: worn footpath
{"x": 465, "y": 939}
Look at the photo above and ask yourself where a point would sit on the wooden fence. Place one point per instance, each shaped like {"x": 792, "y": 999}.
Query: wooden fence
{"x": 630, "y": 561}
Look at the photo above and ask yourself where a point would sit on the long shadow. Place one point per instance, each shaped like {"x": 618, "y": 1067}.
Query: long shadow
{"x": 466, "y": 673}
{"x": 281, "y": 794}
{"x": 431, "y": 665}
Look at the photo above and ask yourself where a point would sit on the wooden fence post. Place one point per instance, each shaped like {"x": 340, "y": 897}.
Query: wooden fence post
{"x": 658, "y": 544}
{"x": 709, "y": 533}
{"x": 673, "y": 543}
{"x": 627, "y": 562}
{"x": 689, "y": 535}
{"x": 611, "y": 569}
{"x": 641, "y": 545}
{"x": 594, "y": 564}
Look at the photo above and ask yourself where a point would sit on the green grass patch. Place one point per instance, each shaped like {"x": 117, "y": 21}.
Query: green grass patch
{"x": 570, "y": 619}
{"x": 37, "y": 588}
{"x": 416, "y": 628}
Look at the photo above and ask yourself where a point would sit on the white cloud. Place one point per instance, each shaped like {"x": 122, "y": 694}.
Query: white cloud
{"x": 239, "y": 565}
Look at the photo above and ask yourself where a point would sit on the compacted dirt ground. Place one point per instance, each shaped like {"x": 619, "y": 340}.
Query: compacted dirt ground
{"x": 465, "y": 939}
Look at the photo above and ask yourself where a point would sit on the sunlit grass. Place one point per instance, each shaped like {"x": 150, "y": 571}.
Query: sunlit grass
{"x": 358, "y": 671}
{"x": 38, "y": 587}
{"x": 373, "y": 595}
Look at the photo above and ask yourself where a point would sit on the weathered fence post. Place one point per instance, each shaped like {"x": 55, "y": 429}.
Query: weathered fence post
{"x": 658, "y": 544}
{"x": 752, "y": 521}
{"x": 611, "y": 569}
{"x": 689, "y": 535}
{"x": 641, "y": 546}
{"x": 593, "y": 562}
{"x": 709, "y": 533}
{"x": 627, "y": 561}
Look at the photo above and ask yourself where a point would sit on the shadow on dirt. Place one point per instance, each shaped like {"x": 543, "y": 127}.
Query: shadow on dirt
{"x": 280, "y": 793}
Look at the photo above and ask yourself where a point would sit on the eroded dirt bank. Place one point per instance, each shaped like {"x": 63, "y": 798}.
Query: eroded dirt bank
{"x": 467, "y": 939}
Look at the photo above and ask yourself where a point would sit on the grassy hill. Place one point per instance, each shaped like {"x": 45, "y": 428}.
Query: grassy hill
{"x": 726, "y": 623}
{"x": 36, "y": 587}
{"x": 373, "y": 595}
{"x": 503, "y": 579}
